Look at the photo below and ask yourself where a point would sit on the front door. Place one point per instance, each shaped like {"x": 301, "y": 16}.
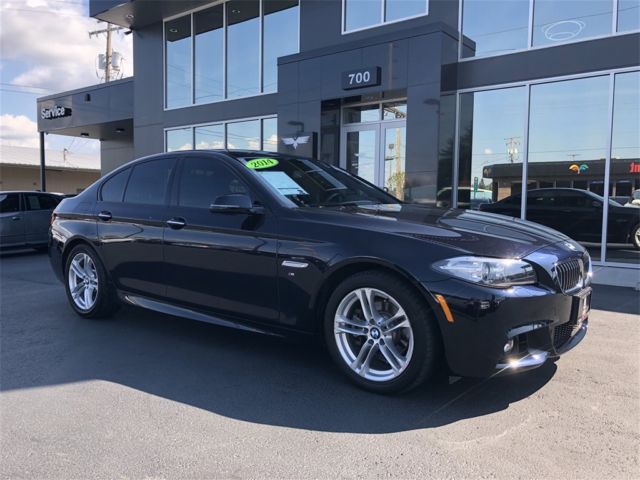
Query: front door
{"x": 376, "y": 152}
{"x": 221, "y": 262}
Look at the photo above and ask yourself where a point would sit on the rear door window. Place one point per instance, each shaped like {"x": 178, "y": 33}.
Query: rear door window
{"x": 9, "y": 202}
{"x": 113, "y": 188}
{"x": 148, "y": 182}
{"x": 37, "y": 201}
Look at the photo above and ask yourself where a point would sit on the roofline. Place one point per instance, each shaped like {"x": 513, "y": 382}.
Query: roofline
{"x": 85, "y": 89}
{"x": 50, "y": 167}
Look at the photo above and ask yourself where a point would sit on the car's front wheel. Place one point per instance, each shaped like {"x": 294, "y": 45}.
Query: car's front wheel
{"x": 87, "y": 286}
{"x": 381, "y": 333}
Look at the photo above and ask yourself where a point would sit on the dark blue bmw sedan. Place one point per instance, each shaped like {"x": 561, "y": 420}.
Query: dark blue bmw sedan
{"x": 285, "y": 245}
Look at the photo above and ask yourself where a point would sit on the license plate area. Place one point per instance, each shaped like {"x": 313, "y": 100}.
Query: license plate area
{"x": 580, "y": 308}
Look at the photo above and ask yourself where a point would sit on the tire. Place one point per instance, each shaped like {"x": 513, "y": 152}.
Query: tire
{"x": 635, "y": 237}
{"x": 83, "y": 266}
{"x": 413, "y": 342}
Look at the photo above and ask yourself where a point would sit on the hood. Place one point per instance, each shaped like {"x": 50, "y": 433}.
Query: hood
{"x": 468, "y": 231}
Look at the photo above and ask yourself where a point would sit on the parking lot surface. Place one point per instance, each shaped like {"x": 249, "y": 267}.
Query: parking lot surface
{"x": 149, "y": 396}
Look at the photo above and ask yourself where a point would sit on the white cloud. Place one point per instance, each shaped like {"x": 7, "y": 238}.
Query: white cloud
{"x": 50, "y": 42}
{"x": 18, "y": 131}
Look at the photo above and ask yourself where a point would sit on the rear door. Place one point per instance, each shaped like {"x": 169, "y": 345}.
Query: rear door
{"x": 131, "y": 211}
{"x": 221, "y": 262}
{"x": 11, "y": 220}
{"x": 37, "y": 216}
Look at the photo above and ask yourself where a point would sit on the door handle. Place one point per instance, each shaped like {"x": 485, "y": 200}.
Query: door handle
{"x": 176, "y": 223}
{"x": 15, "y": 219}
{"x": 104, "y": 216}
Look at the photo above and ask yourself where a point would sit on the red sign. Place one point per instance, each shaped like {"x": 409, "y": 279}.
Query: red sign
{"x": 634, "y": 167}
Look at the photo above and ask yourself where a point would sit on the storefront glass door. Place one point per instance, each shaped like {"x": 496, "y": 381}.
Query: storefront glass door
{"x": 376, "y": 153}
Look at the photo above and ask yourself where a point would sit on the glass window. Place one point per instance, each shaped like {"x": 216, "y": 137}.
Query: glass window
{"x": 280, "y": 38}
{"x": 492, "y": 125}
{"x": 309, "y": 183}
{"x": 244, "y": 135}
{"x": 568, "y": 128}
{"x": 179, "y": 139}
{"x": 270, "y": 134}
{"x": 494, "y": 26}
{"x": 41, "y": 202}
{"x": 362, "y": 113}
{"x": 9, "y": 202}
{"x": 209, "y": 54}
{"x": 394, "y": 111}
{"x": 205, "y": 179}
{"x": 628, "y": 15}
{"x": 622, "y": 243}
{"x": 113, "y": 189}
{"x": 243, "y": 48}
{"x": 556, "y": 22}
{"x": 210, "y": 136}
{"x": 421, "y": 191}
{"x": 362, "y": 13}
{"x": 399, "y": 9}
{"x": 395, "y": 160}
{"x": 178, "y": 61}
{"x": 148, "y": 182}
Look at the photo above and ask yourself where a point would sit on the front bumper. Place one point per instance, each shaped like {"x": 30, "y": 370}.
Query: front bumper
{"x": 542, "y": 323}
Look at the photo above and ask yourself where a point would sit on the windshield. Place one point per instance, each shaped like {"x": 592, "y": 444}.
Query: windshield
{"x": 308, "y": 183}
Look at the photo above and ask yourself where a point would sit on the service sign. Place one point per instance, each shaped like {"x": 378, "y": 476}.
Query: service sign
{"x": 363, "y": 77}
{"x": 55, "y": 112}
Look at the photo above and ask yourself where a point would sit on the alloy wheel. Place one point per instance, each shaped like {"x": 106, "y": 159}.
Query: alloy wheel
{"x": 83, "y": 281}
{"x": 373, "y": 334}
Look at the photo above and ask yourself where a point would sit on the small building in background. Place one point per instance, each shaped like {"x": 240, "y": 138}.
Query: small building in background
{"x": 66, "y": 172}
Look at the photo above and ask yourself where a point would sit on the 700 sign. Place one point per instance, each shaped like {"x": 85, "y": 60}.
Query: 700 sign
{"x": 364, "y": 77}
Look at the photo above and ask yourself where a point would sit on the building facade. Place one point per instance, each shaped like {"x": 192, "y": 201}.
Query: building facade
{"x": 447, "y": 102}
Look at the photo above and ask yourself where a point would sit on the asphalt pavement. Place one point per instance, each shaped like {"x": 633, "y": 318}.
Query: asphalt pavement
{"x": 148, "y": 396}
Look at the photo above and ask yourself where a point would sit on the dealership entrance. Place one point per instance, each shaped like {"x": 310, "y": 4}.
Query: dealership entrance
{"x": 373, "y": 143}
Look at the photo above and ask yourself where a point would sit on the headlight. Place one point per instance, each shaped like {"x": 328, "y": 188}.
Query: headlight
{"x": 492, "y": 272}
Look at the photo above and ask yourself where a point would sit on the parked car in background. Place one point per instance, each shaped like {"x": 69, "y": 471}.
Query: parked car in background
{"x": 25, "y": 217}
{"x": 576, "y": 213}
{"x": 282, "y": 244}
{"x": 467, "y": 197}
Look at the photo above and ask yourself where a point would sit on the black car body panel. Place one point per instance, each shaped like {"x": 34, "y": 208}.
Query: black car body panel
{"x": 273, "y": 271}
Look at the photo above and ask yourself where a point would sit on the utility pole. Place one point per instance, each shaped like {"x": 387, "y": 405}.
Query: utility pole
{"x": 109, "y": 51}
{"x": 512, "y": 147}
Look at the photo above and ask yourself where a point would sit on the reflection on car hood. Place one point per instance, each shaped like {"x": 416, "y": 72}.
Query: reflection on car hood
{"x": 468, "y": 231}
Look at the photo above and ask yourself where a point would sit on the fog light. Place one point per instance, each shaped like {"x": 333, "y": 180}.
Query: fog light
{"x": 508, "y": 346}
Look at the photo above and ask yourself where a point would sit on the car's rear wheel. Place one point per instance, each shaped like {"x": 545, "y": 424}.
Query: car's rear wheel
{"x": 88, "y": 289}
{"x": 381, "y": 333}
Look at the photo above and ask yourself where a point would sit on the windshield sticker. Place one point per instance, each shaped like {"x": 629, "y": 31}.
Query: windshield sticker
{"x": 260, "y": 163}
{"x": 283, "y": 183}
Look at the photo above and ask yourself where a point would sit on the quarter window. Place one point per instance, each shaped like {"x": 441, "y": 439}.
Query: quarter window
{"x": 148, "y": 182}
{"x": 205, "y": 179}
{"x": 113, "y": 189}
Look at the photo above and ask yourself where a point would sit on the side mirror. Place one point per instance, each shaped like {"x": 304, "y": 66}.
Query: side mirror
{"x": 235, "y": 203}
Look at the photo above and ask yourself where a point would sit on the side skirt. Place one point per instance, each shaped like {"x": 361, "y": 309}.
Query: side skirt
{"x": 169, "y": 309}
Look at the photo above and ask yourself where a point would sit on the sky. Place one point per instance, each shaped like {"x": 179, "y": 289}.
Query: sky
{"x": 44, "y": 49}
